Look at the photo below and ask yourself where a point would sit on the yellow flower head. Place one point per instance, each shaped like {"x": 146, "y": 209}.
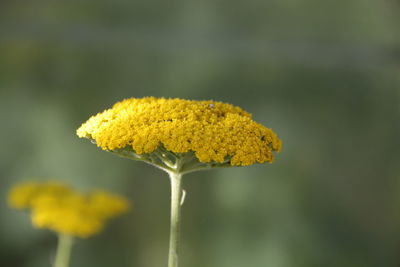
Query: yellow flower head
{"x": 214, "y": 131}
{"x": 107, "y": 205}
{"x": 23, "y": 195}
{"x": 60, "y": 208}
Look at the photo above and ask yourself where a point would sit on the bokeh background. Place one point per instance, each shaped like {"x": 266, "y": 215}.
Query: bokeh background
{"x": 323, "y": 74}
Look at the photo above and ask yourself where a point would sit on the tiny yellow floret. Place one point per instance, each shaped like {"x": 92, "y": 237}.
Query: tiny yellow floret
{"x": 214, "y": 131}
{"x": 58, "y": 207}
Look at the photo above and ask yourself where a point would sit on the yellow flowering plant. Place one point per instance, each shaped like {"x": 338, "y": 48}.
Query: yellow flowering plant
{"x": 181, "y": 136}
{"x": 69, "y": 213}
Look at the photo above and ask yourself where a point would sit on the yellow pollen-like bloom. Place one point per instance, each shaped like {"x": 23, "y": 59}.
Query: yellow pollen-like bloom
{"x": 107, "y": 205}
{"x": 214, "y": 131}
{"x": 24, "y": 194}
{"x": 60, "y": 208}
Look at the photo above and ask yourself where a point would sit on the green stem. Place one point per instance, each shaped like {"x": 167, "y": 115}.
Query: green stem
{"x": 63, "y": 250}
{"x": 176, "y": 195}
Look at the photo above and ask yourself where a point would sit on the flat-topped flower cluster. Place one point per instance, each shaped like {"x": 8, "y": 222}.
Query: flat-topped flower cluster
{"x": 214, "y": 131}
{"x": 62, "y": 209}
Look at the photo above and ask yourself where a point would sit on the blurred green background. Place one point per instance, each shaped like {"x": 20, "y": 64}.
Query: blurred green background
{"x": 324, "y": 75}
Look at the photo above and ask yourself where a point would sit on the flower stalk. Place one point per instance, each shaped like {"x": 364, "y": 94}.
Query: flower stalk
{"x": 176, "y": 196}
{"x": 64, "y": 248}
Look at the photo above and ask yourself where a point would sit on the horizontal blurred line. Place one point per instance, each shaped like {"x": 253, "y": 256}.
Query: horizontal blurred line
{"x": 232, "y": 47}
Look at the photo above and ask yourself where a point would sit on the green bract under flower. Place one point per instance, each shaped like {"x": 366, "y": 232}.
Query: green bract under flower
{"x": 214, "y": 132}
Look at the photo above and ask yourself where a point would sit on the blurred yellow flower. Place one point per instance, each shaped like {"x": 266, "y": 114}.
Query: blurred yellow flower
{"x": 24, "y": 194}
{"x": 59, "y": 208}
{"x": 214, "y": 131}
{"x": 107, "y": 205}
